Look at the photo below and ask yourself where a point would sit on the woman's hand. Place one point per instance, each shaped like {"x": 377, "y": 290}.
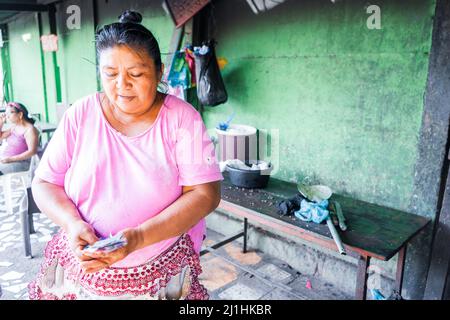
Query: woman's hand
{"x": 80, "y": 234}
{"x": 103, "y": 260}
{"x": 7, "y": 160}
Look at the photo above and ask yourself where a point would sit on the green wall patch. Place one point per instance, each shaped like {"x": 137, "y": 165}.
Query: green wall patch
{"x": 345, "y": 101}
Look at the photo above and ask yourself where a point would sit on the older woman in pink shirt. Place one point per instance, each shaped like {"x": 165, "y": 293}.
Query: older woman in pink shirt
{"x": 19, "y": 142}
{"x": 130, "y": 160}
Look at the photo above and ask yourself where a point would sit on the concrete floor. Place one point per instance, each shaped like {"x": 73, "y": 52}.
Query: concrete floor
{"x": 228, "y": 274}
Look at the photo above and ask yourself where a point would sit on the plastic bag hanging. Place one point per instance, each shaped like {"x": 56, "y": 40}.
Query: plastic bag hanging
{"x": 179, "y": 74}
{"x": 210, "y": 86}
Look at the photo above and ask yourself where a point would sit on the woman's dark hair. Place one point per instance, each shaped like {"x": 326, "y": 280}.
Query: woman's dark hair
{"x": 21, "y": 108}
{"x": 129, "y": 31}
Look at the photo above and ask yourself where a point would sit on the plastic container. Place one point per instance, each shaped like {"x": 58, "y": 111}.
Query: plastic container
{"x": 237, "y": 142}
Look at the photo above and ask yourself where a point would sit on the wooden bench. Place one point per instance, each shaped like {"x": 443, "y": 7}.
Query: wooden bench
{"x": 373, "y": 231}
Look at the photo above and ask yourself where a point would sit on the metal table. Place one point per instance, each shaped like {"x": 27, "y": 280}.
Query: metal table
{"x": 45, "y": 127}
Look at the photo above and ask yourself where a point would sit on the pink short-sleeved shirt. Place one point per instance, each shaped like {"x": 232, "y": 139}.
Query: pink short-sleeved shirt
{"x": 117, "y": 181}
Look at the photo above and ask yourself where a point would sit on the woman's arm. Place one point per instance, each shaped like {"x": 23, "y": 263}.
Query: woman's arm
{"x": 195, "y": 203}
{"x": 52, "y": 200}
{"x": 31, "y": 138}
{"x": 5, "y": 134}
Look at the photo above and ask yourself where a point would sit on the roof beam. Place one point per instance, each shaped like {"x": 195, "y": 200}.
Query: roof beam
{"x": 23, "y": 7}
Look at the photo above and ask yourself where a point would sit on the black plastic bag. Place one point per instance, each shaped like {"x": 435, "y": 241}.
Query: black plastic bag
{"x": 210, "y": 87}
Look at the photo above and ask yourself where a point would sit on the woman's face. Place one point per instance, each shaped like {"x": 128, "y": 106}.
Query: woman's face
{"x": 13, "y": 115}
{"x": 130, "y": 78}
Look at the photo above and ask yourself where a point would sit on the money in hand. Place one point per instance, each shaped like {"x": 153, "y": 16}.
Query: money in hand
{"x": 109, "y": 244}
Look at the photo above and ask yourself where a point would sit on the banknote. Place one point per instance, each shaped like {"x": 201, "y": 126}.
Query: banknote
{"x": 107, "y": 244}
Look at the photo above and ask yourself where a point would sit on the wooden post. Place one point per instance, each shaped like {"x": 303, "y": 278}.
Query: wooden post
{"x": 361, "y": 278}
{"x": 440, "y": 256}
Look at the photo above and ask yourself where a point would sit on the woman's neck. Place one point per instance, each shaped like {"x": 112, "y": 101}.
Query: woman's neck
{"x": 131, "y": 124}
{"x": 127, "y": 118}
{"x": 21, "y": 124}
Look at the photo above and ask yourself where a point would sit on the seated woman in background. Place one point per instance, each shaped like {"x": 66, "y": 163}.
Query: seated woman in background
{"x": 21, "y": 139}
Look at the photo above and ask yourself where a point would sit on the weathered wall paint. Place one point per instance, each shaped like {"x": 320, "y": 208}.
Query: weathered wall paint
{"x": 433, "y": 139}
{"x": 347, "y": 101}
{"x": 76, "y": 55}
{"x": 26, "y": 66}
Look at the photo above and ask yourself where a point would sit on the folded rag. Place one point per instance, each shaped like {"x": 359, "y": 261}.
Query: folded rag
{"x": 313, "y": 211}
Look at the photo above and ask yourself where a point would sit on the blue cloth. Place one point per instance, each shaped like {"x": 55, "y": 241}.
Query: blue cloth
{"x": 312, "y": 211}
{"x": 376, "y": 294}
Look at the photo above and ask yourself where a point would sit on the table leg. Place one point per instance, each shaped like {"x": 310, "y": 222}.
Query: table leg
{"x": 400, "y": 270}
{"x": 245, "y": 235}
{"x": 361, "y": 278}
{"x": 222, "y": 243}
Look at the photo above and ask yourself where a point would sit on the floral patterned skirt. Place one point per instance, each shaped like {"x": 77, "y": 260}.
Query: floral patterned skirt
{"x": 171, "y": 275}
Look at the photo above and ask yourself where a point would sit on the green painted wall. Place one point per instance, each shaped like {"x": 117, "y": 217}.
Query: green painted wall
{"x": 49, "y": 75}
{"x": 5, "y": 66}
{"x": 347, "y": 101}
{"x": 154, "y": 18}
{"x": 76, "y": 55}
{"x": 26, "y": 66}
{"x": 32, "y": 69}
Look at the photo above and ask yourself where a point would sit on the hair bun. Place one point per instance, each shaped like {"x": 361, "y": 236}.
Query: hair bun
{"x": 130, "y": 17}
